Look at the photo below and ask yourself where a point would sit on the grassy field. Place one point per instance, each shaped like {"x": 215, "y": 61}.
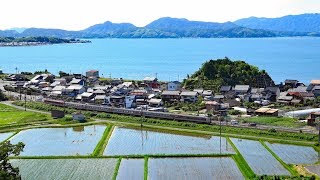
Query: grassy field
{"x": 275, "y": 121}
{"x": 10, "y": 115}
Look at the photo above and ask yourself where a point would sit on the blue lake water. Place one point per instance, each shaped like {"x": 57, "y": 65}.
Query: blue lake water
{"x": 170, "y": 59}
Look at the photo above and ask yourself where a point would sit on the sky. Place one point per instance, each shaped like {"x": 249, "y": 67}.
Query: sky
{"x": 80, "y": 14}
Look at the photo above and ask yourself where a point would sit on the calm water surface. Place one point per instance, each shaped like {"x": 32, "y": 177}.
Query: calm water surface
{"x": 171, "y": 59}
{"x": 59, "y": 141}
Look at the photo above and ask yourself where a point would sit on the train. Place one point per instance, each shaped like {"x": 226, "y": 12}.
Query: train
{"x": 131, "y": 112}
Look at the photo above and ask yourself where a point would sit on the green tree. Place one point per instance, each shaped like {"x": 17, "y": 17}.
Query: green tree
{"x": 2, "y": 96}
{"x": 7, "y": 171}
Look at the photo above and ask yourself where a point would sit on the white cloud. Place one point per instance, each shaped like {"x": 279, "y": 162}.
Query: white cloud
{"x": 79, "y": 14}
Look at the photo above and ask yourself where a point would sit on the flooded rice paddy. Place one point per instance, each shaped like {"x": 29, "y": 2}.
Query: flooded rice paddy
{"x": 193, "y": 169}
{"x": 131, "y": 169}
{"x": 259, "y": 158}
{"x": 292, "y": 154}
{"x": 124, "y": 141}
{"x": 59, "y": 141}
{"x": 4, "y": 136}
{"x": 48, "y": 169}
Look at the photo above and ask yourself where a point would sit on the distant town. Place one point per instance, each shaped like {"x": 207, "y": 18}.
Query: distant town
{"x": 149, "y": 94}
{"x": 36, "y": 41}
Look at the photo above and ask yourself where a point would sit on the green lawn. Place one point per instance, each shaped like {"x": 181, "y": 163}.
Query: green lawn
{"x": 275, "y": 121}
{"x": 10, "y": 115}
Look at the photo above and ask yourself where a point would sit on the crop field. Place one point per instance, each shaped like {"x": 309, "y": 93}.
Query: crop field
{"x": 59, "y": 141}
{"x": 193, "y": 168}
{"x": 292, "y": 154}
{"x": 124, "y": 141}
{"x": 4, "y": 136}
{"x": 10, "y": 115}
{"x": 31, "y": 169}
{"x": 131, "y": 169}
{"x": 258, "y": 158}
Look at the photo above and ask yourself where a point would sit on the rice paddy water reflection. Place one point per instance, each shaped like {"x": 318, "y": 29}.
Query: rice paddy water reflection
{"x": 124, "y": 141}
{"x": 59, "y": 141}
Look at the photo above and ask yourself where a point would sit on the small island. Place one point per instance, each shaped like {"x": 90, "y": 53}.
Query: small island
{"x": 37, "y": 41}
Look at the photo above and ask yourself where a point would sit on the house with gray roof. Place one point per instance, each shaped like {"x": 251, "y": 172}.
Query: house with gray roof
{"x": 170, "y": 96}
{"x": 225, "y": 89}
{"x": 242, "y": 89}
{"x": 189, "y": 96}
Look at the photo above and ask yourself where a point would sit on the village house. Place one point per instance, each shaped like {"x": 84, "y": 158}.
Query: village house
{"x": 291, "y": 83}
{"x": 41, "y": 78}
{"x": 225, "y": 89}
{"x": 155, "y": 102}
{"x": 189, "y": 96}
{"x": 311, "y": 120}
{"x": 170, "y": 96}
{"x": 57, "y": 82}
{"x": 199, "y": 91}
{"x": 207, "y": 95}
{"x": 242, "y": 89}
{"x": 284, "y": 98}
{"x": 92, "y": 74}
{"x": 78, "y": 116}
{"x": 212, "y": 106}
{"x": 117, "y": 100}
{"x": 74, "y": 90}
{"x": 174, "y": 86}
{"x": 58, "y": 90}
{"x": 271, "y": 93}
{"x": 218, "y": 98}
{"x": 314, "y": 87}
{"x": 141, "y": 96}
{"x": 267, "y": 112}
{"x": 151, "y": 82}
{"x": 86, "y": 96}
{"x": 75, "y": 81}
{"x": 130, "y": 101}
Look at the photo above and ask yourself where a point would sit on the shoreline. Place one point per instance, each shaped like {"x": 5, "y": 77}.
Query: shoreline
{"x": 19, "y": 44}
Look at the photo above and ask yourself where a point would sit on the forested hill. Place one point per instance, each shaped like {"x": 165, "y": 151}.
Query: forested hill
{"x": 167, "y": 27}
{"x": 215, "y": 73}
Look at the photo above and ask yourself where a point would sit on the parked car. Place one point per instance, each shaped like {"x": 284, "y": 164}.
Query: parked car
{"x": 252, "y": 124}
{"x": 233, "y": 122}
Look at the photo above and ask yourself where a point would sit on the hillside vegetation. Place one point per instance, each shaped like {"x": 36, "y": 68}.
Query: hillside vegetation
{"x": 215, "y": 73}
{"x": 167, "y": 27}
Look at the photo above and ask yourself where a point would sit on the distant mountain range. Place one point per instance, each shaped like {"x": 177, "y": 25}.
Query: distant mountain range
{"x": 166, "y": 27}
{"x": 293, "y": 23}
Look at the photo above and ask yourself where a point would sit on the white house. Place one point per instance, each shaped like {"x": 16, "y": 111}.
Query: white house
{"x": 189, "y": 96}
{"x": 174, "y": 86}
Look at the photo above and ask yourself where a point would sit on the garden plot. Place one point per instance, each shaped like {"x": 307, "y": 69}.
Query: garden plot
{"x": 4, "y": 136}
{"x": 124, "y": 141}
{"x": 193, "y": 168}
{"x": 131, "y": 169}
{"x": 65, "y": 168}
{"x": 292, "y": 154}
{"x": 259, "y": 159}
{"x": 59, "y": 141}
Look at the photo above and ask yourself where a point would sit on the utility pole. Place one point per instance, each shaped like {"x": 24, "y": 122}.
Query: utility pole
{"x": 25, "y": 101}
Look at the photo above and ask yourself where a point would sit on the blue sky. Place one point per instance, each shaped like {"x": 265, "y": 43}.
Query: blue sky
{"x": 79, "y": 14}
